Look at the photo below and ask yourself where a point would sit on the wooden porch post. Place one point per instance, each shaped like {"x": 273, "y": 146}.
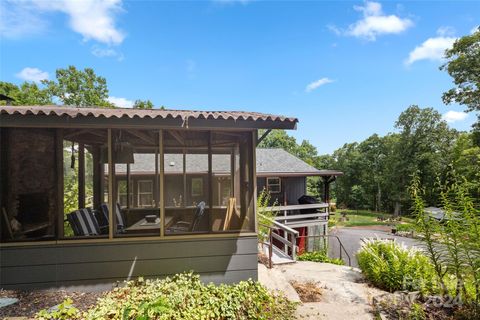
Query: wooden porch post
{"x": 210, "y": 182}
{"x": 60, "y": 182}
{"x": 81, "y": 175}
{"x": 111, "y": 172}
{"x": 162, "y": 176}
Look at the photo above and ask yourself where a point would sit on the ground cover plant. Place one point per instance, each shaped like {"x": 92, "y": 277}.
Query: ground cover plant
{"x": 392, "y": 267}
{"x": 319, "y": 256}
{"x": 184, "y": 296}
{"x": 355, "y": 218}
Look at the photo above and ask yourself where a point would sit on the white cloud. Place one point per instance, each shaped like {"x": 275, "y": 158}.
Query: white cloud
{"x": 121, "y": 102}
{"x": 106, "y": 53}
{"x": 474, "y": 29}
{"x": 432, "y": 48}
{"x": 454, "y": 116}
{"x": 93, "y": 19}
{"x": 316, "y": 84}
{"x": 32, "y": 74}
{"x": 375, "y": 23}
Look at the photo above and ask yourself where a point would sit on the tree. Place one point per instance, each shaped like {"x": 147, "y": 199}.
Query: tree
{"x": 29, "y": 93}
{"x": 143, "y": 104}
{"x": 463, "y": 66}
{"x": 79, "y": 88}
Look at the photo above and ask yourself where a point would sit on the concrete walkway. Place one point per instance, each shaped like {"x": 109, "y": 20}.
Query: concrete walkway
{"x": 345, "y": 296}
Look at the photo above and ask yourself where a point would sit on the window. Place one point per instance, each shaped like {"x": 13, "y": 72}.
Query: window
{"x": 197, "y": 187}
{"x": 123, "y": 199}
{"x": 274, "y": 185}
{"x": 145, "y": 193}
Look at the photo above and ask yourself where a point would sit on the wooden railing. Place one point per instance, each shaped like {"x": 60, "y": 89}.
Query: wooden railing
{"x": 289, "y": 240}
{"x": 285, "y": 216}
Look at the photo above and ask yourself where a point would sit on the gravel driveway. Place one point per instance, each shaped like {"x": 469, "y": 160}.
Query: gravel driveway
{"x": 351, "y": 239}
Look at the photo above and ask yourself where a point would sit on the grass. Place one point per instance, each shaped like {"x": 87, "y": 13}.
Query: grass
{"x": 367, "y": 218}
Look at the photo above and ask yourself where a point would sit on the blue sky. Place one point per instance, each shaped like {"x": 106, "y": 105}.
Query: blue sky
{"x": 345, "y": 69}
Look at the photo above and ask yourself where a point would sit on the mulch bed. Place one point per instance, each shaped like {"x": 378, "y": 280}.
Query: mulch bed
{"x": 30, "y": 302}
{"x": 307, "y": 291}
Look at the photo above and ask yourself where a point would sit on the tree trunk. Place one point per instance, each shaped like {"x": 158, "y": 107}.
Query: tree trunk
{"x": 398, "y": 208}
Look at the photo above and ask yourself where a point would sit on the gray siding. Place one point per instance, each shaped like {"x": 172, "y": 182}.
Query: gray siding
{"x": 220, "y": 260}
{"x": 292, "y": 189}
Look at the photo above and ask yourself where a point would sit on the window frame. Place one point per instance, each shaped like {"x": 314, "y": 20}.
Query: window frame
{"x": 139, "y": 193}
{"x": 269, "y": 184}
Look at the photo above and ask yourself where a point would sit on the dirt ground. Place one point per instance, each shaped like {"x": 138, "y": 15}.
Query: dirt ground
{"x": 30, "y": 302}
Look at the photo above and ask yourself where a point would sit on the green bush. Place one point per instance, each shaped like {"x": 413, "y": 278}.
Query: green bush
{"x": 184, "y": 296}
{"x": 406, "y": 227}
{"x": 64, "y": 311}
{"x": 319, "y": 256}
{"x": 392, "y": 267}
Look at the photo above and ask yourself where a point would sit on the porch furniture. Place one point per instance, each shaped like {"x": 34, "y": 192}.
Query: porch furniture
{"x": 6, "y": 227}
{"x": 143, "y": 226}
{"x": 118, "y": 212}
{"x": 83, "y": 222}
{"x": 231, "y": 208}
{"x": 184, "y": 226}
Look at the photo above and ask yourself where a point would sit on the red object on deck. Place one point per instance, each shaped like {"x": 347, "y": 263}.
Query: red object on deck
{"x": 301, "y": 240}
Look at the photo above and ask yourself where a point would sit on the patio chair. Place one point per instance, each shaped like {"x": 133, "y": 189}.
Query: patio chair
{"x": 121, "y": 225}
{"x": 83, "y": 222}
{"x": 184, "y": 226}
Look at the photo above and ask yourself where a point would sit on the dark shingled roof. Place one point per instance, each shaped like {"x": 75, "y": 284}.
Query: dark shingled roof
{"x": 279, "y": 161}
{"x": 153, "y": 114}
{"x": 269, "y": 162}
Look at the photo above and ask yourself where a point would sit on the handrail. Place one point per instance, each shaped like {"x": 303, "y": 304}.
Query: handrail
{"x": 296, "y": 207}
{"x": 288, "y": 244}
{"x": 341, "y": 247}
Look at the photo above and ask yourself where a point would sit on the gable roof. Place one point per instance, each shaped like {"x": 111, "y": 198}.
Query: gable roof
{"x": 270, "y": 162}
{"x": 276, "y": 161}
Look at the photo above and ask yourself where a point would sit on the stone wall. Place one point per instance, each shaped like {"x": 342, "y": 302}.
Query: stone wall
{"x": 31, "y": 172}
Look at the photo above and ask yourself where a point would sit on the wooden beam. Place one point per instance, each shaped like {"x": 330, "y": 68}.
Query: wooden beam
{"x": 81, "y": 175}
{"x": 264, "y": 135}
{"x": 162, "y": 183}
{"x": 111, "y": 173}
{"x": 97, "y": 177}
{"x": 210, "y": 182}
{"x": 60, "y": 182}
{"x": 142, "y": 136}
{"x": 177, "y": 137}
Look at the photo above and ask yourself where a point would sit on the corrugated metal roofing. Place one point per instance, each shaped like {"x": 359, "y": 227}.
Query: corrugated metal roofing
{"x": 74, "y": 112}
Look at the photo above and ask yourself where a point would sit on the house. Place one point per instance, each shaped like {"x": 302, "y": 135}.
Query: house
{"x": 284, "y": 176}
{"x": 58, "y": 163}
{"x": 280, "y": 173}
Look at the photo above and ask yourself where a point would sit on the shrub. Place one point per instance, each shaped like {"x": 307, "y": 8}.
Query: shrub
{"x": 184, "y": 296}
{"x": 319, "y": 256}
{"x": 65, "y": 310}
{"x": 392, "y": 267}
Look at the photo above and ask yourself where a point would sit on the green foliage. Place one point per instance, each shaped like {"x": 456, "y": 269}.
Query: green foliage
{"x": 416, "y": 312}
{"x": 319, "y": 256}
{"x": 79, "y": 88}
{"x": 64, "y": 311}
{"x": 392, "y": 267}
{"x": 28, "y": 93}
{"x": 265, "y": 218}
{"x": 452, "y": 245}
{"x": 463, "y": 65}
{"x": 184, "y": 296}
{"x": 143, "y": 104}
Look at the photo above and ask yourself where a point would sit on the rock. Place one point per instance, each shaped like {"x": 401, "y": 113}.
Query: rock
{"x": 7, "y": 301}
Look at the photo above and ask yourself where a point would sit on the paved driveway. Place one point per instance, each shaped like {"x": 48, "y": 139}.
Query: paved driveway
{"x": 351, "y": 239}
